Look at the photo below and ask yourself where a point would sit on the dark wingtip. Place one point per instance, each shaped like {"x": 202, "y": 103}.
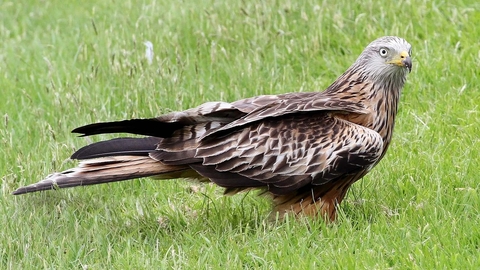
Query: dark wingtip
{"x": 148, "y": 127}
{"x": 117, "y": 147}
{"x": 99, "y": 128}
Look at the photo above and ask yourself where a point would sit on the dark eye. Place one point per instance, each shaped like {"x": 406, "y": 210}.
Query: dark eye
{"x": 383, "y": 52}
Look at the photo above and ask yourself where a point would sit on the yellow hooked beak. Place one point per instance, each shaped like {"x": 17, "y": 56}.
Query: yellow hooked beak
{"x": 402, "y": 60}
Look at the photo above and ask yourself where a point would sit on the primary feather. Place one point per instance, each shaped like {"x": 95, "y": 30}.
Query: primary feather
{"x": 304, "y": 149}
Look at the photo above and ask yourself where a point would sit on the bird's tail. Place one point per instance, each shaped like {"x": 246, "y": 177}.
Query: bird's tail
{"x": 111, "y": 161}
{"x": 105, "y": 170}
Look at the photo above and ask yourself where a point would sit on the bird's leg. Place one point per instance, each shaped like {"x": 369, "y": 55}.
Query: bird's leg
{"x": 321, "y": 200}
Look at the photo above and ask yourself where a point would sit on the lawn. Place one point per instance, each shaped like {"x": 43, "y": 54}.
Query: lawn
{"x": 65, "y": 64}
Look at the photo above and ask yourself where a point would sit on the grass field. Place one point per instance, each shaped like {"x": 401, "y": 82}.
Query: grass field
{"x": 66, "y": 64}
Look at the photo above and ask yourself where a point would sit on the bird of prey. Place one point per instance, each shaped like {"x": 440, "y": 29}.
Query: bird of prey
{"x": 304, "y": 150}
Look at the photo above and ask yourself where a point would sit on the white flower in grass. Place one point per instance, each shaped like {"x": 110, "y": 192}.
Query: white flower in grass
{"x": 149, "y": 51}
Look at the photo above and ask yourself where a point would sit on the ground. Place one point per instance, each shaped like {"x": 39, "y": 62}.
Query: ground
{"x": 66, "y": 64}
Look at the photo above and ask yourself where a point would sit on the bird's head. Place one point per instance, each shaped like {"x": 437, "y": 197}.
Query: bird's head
{"x": 387, "y": 59}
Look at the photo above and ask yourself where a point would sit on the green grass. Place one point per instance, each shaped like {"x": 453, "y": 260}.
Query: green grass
{"x": 65, "y": 64}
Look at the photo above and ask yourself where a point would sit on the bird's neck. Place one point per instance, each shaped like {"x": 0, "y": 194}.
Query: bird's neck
{"x": 381, "y": 99}
{"x": 384, "y": 108}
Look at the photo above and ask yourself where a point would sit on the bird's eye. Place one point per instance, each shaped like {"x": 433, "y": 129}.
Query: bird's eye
{"x": 383, "y": 52}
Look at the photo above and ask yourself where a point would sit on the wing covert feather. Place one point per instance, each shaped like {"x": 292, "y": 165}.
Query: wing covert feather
{"x": 307, "y": 149}
{"x": 292, "y": 103}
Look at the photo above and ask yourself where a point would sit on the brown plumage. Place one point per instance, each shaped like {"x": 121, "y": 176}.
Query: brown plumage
{"x": 304, "y": 149}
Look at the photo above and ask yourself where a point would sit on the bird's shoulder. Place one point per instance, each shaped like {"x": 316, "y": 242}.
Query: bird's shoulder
{"x": 272, "y": 106}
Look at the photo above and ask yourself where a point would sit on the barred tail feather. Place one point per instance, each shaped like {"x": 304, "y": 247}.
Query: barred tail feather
{"x": 105, "y": 170}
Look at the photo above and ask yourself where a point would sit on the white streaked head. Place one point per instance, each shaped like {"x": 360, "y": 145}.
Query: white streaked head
{"x": 386, "y": 59}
